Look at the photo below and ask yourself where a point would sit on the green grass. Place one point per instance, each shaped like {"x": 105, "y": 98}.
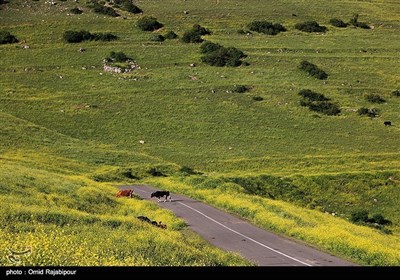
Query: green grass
{"x": 60, "y": 113}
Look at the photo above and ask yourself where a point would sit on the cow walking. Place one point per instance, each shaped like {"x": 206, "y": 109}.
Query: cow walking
{"x": 160, "y": 194}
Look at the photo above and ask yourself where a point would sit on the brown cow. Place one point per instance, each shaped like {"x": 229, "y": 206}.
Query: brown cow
{"x": 127, "y": 193}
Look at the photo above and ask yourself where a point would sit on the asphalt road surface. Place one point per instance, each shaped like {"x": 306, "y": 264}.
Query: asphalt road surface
{"x": 231, "y": 233}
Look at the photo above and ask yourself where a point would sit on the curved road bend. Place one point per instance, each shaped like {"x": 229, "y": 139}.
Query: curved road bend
{"x": 230, "y": 233}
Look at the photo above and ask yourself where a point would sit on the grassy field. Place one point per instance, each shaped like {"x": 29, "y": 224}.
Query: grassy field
{"x": 65, "y": 120}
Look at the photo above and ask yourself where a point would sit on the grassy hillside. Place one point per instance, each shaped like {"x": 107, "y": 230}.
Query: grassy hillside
{"x": 66, "y": 119}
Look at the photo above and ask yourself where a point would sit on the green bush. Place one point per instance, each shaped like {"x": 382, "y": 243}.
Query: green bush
{"x": 217, "y": 55}
{"x": 257, "y": 98}
{"x": 312, "y": 96}
{"x": 396, "y": 93}
{"x": 128, "y": 6}
{"x": 208, "y": 47}
{"x": 313, "y": 70}
{"x": 83, "y": 35}
{"x": 76, "y": 11}
{"x": 194, "y": 35}
{"x": 310, "y": 26}
{"x": 148, "y": 23}
{"x": 266, "y": 27}
{"x": 171, "y": 35}
{"x": 185, "y": 170}
{"x": 7, "y": 38}
{"x": 100, "y": 9}
{"x": 374, "y": 98}
{"x": 338, "y": 23}
{"x": 373, "y": 112}
{"x": 354, "y": 21}
{"x": 318, "y": 103}
{"x": 359, "y": 217}
{"x": 240, "y": 88}
{"x": 157, "y": 38}
{"x": 118, "y": 57}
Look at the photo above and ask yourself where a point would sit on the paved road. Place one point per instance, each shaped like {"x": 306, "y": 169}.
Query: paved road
{"x": 231, "y": 233}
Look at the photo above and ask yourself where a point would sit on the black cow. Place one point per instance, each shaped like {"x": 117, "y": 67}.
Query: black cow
{"x": 387, "y": 123}
{"x": 160, "y": 194}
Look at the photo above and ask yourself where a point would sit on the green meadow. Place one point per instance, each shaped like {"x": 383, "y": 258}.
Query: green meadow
{"x": 69, "y": 130}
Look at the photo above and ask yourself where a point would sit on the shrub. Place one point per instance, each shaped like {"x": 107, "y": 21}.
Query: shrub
{"x": 188, "y": 171}
{"x": 76, "y": 11}
{"x": 266, "y": 27}
{"x": 171, "y": 35}
{"x": 396, "y": 93}
{"x": 83, "y": 35}
{"x": 374, "y": 98}
{"x": 100, "y": 9}
{"x": 313, "y": 70}
{"x": 325, "y": 107}
{"x": 379, "y": 219}
{"x": 201, "y": 30}
{"x": 359, "y": 217}
{"x": 191, "y": 36}
{"x": 318, "y": 102}
{"x": 312, "y": 96}
{"x": 362, "y": 217}
{"x": 373, "y": 112}
{"x": 208, "y": 47}
{"x": 240, "y": 88}
{"x": 310, "y": 26}
{"x": 148, "y": 23}
{"x": 257, "y": 98}
{"x": 194, "y": 35}
{"x": 217, "y": 55}
{"x": 338, "y": 23}
{"x": 118, "y": 57}
{"x": 354, "y": 21}
{"x": 7, "y": 38}
{"x": 128, "y": 6}
{"x": 77, "y": 36}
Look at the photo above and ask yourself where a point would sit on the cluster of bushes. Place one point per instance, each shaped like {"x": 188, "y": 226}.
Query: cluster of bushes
{"x": 83, "y": 35}
{"x": 101, "y": 9}
{"x": 354, "y": 21}
{"x": 148, "y": 23}
{"x": 217, "y": 55}
{"x": 266, "y": 27}
{"x": 318, "y": 102}
{"x": 310, "y": 26}
{"x": 7, "y": 38}
{"x": 76, "y": 11}
{"x": 313, "y": 70}
{"x": 128, "y": 6}
{"x": 374, "y": 98}
{"x": 194, "y": 35}
{"x": 363, "y": 218}
{"x": 373, "y": 112}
